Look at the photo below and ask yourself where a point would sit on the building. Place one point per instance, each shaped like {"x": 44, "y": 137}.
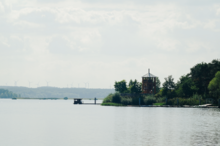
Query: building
{"x": 149, "y": 83}
{"x": 77, "y": 100}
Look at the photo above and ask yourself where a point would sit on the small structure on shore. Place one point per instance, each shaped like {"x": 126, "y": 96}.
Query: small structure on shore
{"x": 149, "y": 83}
{"x": 77, "y": 100}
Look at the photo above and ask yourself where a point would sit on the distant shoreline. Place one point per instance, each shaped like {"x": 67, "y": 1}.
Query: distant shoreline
{"x": 51, "y": 98}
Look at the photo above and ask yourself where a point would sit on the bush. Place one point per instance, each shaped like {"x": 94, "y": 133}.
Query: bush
{"x": 184, "y": 101}
{"x": 126, "y": 101}
{"x": 108, "y": 98}
{"x": 135, "y": 100}
{"x": 149, "y": 100}
{"x": 112, "y": 104}
{"x": 161, "y": 99}
{"x": 116, "y": 98}
{"x": 160, "y": 103}
{"x": 159, "y": 94}
{"x": 196, "y": 96}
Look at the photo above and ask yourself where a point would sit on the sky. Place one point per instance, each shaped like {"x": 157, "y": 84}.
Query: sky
{"x": 93, "y": 43}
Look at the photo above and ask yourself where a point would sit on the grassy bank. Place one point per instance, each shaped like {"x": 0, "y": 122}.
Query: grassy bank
{"x": 118, "y": 100}
{"x": 112, "y": 104}
{"x": 159, "y": 104}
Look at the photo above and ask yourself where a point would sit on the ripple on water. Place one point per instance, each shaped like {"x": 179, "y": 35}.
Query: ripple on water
{"x": 59, "y": 122}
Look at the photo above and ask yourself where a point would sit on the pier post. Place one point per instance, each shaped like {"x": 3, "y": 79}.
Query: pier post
{"x": 95, "y": 100}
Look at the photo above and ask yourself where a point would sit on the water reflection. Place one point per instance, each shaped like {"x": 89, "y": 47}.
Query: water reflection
{"x": 59, "y": 122}
{"x": 166, "y": 126}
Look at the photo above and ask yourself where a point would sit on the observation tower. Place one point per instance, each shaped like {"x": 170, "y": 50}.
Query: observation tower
{"x": 149, "y": 83}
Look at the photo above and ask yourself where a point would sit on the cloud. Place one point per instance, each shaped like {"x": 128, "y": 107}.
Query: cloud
{"x": 1, "y": 7}
{"x": 150, "y": 2}
{"x": 194, "y": 46}
{"x": 217, "y": 9}
{"x": 25, "y": 24}
{"x": 4, "y": 41}
{"x": 64, "y": 41}
{"x": 59, "y": 45}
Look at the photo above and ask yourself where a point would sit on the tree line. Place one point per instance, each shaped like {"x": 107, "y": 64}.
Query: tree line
{"x": 7, "y": 94}
{"x": 133, "y": 87}
{"x": 201, "y": 83}
{"x": 202, "y": 80}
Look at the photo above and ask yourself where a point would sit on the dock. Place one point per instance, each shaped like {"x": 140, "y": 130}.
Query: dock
{"x": 79, "y": 101}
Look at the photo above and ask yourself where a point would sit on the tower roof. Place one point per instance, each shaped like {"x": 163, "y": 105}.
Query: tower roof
{"x": 148, "y": 75}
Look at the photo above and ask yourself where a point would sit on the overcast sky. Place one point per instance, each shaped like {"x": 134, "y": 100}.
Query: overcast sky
{"x": 69, "y": 42}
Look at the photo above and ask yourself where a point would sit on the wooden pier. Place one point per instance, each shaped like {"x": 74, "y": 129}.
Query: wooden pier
{"x": 79, "y": 101}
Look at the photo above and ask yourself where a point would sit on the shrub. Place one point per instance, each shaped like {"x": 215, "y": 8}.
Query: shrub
{"x": 112, "y": 104}
{"x": 160, "y": 103}
{"x": 126, "y": 101}
{"x": 161, "y": 99}
{"x": 116, "y": 98}
{"x": 149, "y": 100}
{"x": 196, "y": 96}
{"x": 108, "y": 98}
{"x": 135, "y": 100}
{"x": 184, "y": 101}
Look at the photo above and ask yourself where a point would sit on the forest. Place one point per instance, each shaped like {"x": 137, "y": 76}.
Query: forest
{"x": 200, "y": 85}
{"x": 7, "y": 94}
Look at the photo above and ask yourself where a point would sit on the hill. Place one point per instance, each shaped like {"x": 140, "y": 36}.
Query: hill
{"x": 54, "y": 92}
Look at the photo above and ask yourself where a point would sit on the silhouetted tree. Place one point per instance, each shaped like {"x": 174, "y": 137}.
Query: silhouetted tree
{"x": 135, "y": 87}
{"x": 186, "y": 87}
{"x": 202, "y": 73}
{"x": 168, "y": 87}
{"x": 120, "y": 86}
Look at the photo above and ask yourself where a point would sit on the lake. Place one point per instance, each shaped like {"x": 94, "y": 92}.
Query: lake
{"x": 60, "y": 123}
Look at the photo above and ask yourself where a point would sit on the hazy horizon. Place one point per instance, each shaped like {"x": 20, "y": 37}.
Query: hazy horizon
{"x": 1, "y": 86}
{"x": 98, "y": 42}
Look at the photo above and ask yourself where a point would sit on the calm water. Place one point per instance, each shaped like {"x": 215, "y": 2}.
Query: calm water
{"x": 60, "y": 123}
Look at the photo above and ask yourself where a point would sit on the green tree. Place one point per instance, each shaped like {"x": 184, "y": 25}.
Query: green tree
{"x": 214, "y": 85}
{"x": 116, "y": 98}
{"x": 158, "y": 85}
{"x": 121, "y": 86}
{"x": 169, "y": 83}
{"x": 168, "y": 87}
{"x": 202, "y": 73}
{"x": 7, "y": 94}
{"x": 135, "y": 87}
{"x": 186, "y": 87}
